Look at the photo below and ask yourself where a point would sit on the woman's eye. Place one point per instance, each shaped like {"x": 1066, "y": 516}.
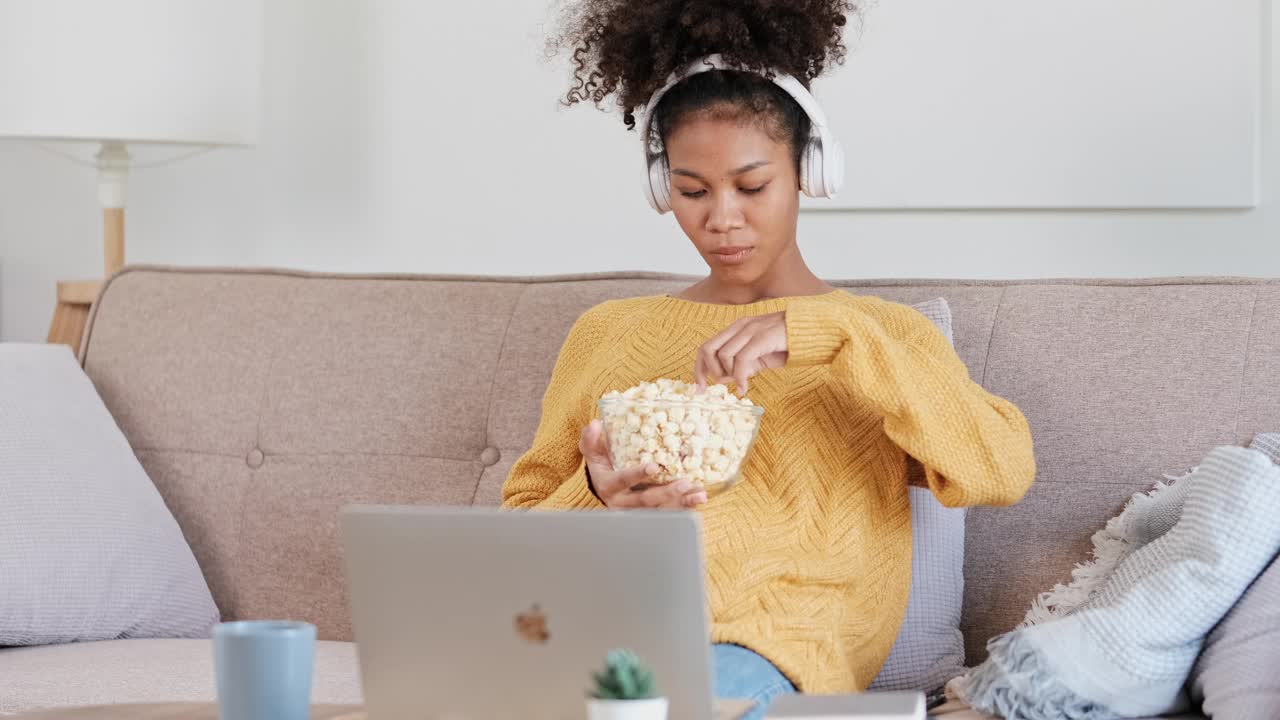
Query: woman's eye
{"x": 754, "y": 190}
{"x": 693, "y": 195}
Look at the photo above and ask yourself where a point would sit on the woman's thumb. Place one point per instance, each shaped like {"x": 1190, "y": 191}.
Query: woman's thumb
{"x": 592, "y": 445}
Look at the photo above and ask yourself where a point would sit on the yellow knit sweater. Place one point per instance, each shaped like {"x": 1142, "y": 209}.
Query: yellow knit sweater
{"x": 809, "y": 557}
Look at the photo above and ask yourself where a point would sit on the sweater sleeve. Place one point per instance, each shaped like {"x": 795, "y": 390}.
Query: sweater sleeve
{"x": 975, "y": 447}
{"x": 551, "y": 475}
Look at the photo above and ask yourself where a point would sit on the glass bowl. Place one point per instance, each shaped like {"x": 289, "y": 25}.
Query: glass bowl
{"x": 697, "y": 439}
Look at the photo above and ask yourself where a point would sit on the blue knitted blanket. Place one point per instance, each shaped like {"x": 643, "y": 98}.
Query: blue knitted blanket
{"x": 1125, "y": 648}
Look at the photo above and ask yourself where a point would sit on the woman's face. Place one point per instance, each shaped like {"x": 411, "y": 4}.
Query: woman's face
{"x": 735, "y": 193}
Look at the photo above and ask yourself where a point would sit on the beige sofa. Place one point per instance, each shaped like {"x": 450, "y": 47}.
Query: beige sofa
{"x": 260, "y": 402}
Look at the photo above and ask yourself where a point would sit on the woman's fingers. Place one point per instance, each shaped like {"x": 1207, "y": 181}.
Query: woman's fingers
{"x": 707, "y": 368}
{"x": 606, "y": 482}
{"x": 670, "y": 496}
{"x": 750, "y": 360}
{"x": 636, "y": 476}
{"x": 677, "y": 495}
{"x": 694, "y": 499}
{"x": 618, "y": 487}
{"x": 707, "y": 365}
{"x": 736, "y": 356}
{"x": 631, "y": 487}
{"x": 731, "y": 351}
{"x": 740, "y": 351}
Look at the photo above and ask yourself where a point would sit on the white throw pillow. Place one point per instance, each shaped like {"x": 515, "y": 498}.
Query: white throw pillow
{"x": 88, "y": 550}
{"x": 929, "y": 649}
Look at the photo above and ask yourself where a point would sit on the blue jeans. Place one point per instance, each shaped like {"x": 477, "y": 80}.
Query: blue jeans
{"x": 741, "y": 674}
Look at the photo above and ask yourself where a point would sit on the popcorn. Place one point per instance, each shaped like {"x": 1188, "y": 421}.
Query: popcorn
{"x": 703, "y": 438}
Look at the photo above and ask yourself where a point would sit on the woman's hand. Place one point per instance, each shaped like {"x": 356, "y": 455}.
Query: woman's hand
{"x": 742, "y": 350}
{"x": 631, "y": 488}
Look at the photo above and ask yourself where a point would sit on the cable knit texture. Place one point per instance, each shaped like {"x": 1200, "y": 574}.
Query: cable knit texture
{"x": 809, "y": 557}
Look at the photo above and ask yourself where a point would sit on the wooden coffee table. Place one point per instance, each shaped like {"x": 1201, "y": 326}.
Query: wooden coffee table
{"x": 172, "y": 711}
{"x": 953, "y": 710}
{"x": 209, "y": 711}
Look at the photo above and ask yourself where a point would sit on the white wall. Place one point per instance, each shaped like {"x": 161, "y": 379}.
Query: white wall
{"x": 1087, "y": 104}
{"x": 395, "y": 139}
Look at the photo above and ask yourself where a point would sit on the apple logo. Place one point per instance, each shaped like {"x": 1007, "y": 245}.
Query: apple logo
{"x": 532, "y": 626}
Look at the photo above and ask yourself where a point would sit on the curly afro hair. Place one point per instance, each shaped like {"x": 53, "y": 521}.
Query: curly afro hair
{"x": 628, "y": 48}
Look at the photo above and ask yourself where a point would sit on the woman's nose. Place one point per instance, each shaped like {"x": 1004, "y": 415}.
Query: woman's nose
{"x": 725, "y": 215}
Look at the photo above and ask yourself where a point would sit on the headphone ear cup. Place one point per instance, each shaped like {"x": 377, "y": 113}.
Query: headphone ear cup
{"x": 833, "y": 166}
{"x": 811, "y": 169}
{"x": 659, "y": 185}
{"x": 804, "y": 171}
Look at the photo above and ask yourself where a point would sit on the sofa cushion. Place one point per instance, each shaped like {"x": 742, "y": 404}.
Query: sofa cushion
{"x": 1235, "y": 675}
{"x": 144, "y": 671}
{"x": 88, "y": 550}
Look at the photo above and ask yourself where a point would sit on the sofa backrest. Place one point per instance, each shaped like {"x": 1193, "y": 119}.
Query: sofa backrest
{"x": 260, "y": 402}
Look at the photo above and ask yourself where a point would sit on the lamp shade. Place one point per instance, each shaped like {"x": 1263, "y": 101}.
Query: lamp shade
{"x": 163, "y": 71}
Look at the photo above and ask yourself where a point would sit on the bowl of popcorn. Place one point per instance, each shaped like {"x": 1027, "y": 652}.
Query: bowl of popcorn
{"x": 704, "y": 437}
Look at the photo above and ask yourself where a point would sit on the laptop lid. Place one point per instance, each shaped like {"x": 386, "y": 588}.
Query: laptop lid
{"x": 482, "y": 614}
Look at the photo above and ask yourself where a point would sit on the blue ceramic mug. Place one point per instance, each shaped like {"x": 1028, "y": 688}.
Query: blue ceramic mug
{"x": 264, "y": 669}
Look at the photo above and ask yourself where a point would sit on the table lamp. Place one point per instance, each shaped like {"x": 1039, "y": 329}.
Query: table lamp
{"x": 126, "y": 73}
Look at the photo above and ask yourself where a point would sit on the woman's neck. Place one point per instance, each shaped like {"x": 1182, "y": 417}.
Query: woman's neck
{"x": 789, "y": 276}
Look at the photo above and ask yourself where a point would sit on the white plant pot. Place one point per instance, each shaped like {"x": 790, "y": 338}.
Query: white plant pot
{"x": 651, "y": 709}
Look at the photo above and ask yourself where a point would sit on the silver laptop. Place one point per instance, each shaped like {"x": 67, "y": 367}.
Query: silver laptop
{"x": 481, "y": 614}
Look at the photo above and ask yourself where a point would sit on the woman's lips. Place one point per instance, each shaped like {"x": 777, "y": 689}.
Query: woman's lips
{"x": 733, "y": 255}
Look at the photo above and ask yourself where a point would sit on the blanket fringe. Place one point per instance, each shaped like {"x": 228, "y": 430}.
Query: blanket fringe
{"x": 1111, "y": 544}
{"x": 1014, "y": 684}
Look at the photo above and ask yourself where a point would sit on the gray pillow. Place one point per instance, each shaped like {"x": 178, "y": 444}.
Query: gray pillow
{"x": 929, "y": 649}
{"x": 1237, "y": 676}
{"x": 88, "y": 550}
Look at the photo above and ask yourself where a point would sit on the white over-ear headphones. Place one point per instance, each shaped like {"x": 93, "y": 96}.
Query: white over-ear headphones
{"x": 821, "y": 159}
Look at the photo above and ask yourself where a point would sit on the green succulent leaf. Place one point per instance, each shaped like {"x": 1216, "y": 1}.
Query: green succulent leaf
{"x": 624, "y": 677}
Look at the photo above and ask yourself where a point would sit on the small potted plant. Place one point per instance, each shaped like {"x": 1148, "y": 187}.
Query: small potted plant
{"x": 624, "y": 690}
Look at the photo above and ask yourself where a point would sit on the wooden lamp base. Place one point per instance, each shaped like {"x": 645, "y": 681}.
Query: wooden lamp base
{"x": 76, "y": 298}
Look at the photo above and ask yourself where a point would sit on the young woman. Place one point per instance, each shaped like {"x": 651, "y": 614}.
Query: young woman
{"x": 809, "y": 556}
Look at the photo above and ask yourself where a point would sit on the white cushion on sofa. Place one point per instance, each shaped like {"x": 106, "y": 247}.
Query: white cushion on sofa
{"x": 929, "y": 649}
{"x": 88, "y": 549}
